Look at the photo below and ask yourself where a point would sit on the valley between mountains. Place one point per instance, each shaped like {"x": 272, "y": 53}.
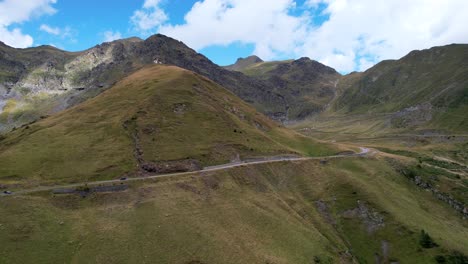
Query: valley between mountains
{"x": 145, "y": 151}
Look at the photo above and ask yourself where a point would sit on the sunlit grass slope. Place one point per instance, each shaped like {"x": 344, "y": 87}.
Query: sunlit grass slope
{"x": 290, "y": 212}
{"x": 158, "y": 114}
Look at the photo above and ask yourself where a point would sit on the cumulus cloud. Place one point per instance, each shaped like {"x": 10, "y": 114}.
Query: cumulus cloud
{"x": 111, "y": 36}
{"x": 357, "y": 34}
{"x": 64, "y": 33}
{"x": 15, "y": 38}
{"x": 14, "y": 12}
{"x": 265, "y": 23}
{"x": 150, "y": 16}
{"x": 363, "y": 32}
{"x": 49, "y": 29}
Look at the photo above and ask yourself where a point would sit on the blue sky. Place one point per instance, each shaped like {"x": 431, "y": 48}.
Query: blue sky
{"x": 348, "y": 35}
{"x": 85, "y": 26}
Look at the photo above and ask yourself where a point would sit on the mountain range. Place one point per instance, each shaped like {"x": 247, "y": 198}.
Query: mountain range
{"x": 143, "y": 151}
{"x": 39, "y": 81}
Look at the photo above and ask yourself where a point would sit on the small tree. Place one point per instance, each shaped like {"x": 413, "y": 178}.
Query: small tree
{"x": 426, "y": 241}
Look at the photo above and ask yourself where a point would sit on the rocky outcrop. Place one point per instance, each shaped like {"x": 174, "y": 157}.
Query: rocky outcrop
{"x": 457, "y": 205}
{"x": 426, "y": 185}
{"x": 325, "y": 212}
{"x": 412, "y": 116}
{"x": 57, "y": 79}
{"x": 371, "y": 219}
{"x": 243, "y": 63}
{"x": 172, "y": 166}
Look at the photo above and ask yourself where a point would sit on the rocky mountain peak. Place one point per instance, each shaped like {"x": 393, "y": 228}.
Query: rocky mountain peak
{"x": 243, "y": 63}
{"x": 313, "y": 66}
{"x": 250, "y": 59}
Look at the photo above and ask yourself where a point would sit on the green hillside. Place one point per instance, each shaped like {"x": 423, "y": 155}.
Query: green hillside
{"x": 347, "y": 211}
{"x": 425, "y": 89}
{"x": 159, "y": 119}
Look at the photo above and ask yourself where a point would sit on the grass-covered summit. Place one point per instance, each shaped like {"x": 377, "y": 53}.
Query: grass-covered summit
{"x": 159, "y": 119}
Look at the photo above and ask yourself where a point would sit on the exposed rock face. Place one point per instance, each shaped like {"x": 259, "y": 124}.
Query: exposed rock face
{"x": 39, "y": 81}
{"x": 420, "y": 182}
{"x": 172, "y": 166}
{"x": 324, "y": 210}
{"x": 372, "y": 219}
{"x": 412, "y": 116}
{"x": 457, "y": 205}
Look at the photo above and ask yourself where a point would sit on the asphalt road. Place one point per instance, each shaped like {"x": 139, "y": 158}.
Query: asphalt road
{"x": 363, "y": 152}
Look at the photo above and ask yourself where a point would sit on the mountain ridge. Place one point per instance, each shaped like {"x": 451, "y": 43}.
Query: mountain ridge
{"x": 40, "y": 81}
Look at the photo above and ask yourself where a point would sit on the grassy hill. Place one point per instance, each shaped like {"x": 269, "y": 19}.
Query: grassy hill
{"x": 159, "y": 119}
{"x": 347, "y": 211}
{"x": 425, "y": 90}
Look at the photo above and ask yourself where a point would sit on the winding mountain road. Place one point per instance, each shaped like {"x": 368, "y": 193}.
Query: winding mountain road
{"x": 363, "y": 152}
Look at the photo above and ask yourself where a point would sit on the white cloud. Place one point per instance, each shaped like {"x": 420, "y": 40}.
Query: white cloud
{"x": 64, "y": 33}
{"x": 265, "y": 23}
{"x": 313, "y": 3}
{"x": 15, "y": 38}
{"x": 150, "y": 16}
{"x": 15, "y": 12}
{"x": 358, "y": 34}
{"x": 111, "y": 36}
{"x": 49, "y": 29}
{"x": 151, "y": 3}
{"x": 378, "y": 30}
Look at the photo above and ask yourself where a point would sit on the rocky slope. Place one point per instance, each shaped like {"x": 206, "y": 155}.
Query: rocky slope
{"x": 39, "y": 81}
{"x": 306, "y": 86}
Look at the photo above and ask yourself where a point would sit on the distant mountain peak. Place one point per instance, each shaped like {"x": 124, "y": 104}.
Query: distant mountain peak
{"x": 249, "y": 59}
{"x": 130, "y": 39}
{"x": 304, "y": 59}
{"x": 243, "y": 63}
